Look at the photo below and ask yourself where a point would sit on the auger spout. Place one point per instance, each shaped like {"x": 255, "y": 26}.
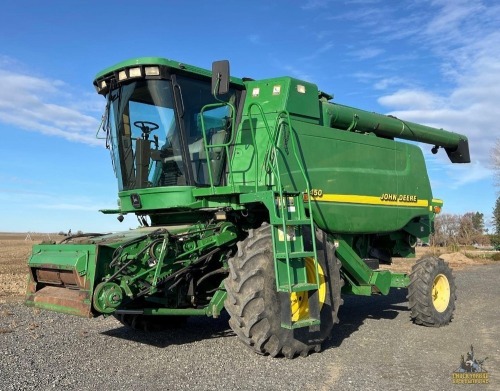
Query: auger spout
{"x": 356, "y": 120}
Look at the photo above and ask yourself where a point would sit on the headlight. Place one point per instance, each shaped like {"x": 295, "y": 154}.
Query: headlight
{"x": 122, "y": 75}
{"x": 152, "y": 71}
{"x": 135, "y": 72}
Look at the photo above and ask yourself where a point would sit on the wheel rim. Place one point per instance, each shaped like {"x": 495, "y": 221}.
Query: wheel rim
{"x": 300, "y": 300}
{"x": 440, "y": 293}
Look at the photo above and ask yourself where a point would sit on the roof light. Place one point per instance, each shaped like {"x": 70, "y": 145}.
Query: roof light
{"x": 152, "y": 71}
{"x": 103, "y": 84}
{"x": 135, "y": 72}
{"x": 122, "y": 75}
{"x": 301, "y": 89}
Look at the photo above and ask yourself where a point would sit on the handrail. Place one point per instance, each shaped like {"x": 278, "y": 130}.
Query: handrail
{"x": 277, "y": 177}
{"x": 272, "y": 145}
{"x": 308, "y": 188}
{"x": 271, "y": 161}
{"x": 223, "y": 145}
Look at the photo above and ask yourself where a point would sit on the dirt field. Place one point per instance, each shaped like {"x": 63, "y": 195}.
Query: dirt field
{"x": 456, "y": 260}
{"x": 15, "y": 249}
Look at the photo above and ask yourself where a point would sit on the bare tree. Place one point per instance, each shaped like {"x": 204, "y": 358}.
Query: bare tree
{"x": 453, "y": 229}
{"x": 446, "y": 229}
{"x": 466, "y": 231}
{"x": 471, "y": 229}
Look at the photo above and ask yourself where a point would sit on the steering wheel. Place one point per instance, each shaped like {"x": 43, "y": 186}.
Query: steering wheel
{"x": 146, "y": 127}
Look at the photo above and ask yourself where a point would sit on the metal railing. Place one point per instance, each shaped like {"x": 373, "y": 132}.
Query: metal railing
{"x": 271, "y": 162}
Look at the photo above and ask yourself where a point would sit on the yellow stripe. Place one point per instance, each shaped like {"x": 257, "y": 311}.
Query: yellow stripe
{"x": 368, "y": 200}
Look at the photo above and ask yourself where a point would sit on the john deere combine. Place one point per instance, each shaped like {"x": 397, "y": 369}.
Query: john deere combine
{"x": 262, "y": 197}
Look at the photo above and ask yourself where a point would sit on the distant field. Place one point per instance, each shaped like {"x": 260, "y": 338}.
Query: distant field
{"x": 15, "y": 249}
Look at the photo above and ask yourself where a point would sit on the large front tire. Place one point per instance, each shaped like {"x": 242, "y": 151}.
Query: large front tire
{"x": 254, "y": 304}
{"x": 431, "y": 293}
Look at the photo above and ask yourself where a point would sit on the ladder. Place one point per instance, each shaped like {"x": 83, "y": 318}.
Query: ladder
{"x": 293, "y": 232}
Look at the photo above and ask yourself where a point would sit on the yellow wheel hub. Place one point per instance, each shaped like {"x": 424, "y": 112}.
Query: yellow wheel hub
{"x": 440, "y": 293}
{"x": 300, "y": 300}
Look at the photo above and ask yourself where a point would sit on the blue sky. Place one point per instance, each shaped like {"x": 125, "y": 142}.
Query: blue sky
{"x": 432, "y": 62}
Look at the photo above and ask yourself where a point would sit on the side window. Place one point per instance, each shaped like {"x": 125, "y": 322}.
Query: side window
{"x": 214, "y": 120}
{"x": 197, "y": 94}
{"x": 216, "y": 131}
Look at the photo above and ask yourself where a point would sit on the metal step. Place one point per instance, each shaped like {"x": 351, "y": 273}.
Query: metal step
{"x": 290, "y": 253}
{"x": 294, "y": 222}
{"x": 295, "y": 254}
{"x": 301, "y": 323}
{"x": 303, "y": 287}
{"x": 313, "y": 320}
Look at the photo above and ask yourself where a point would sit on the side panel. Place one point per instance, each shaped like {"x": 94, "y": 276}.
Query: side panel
{"x": 362, "y": 183}
{"x": 413, "y": 180}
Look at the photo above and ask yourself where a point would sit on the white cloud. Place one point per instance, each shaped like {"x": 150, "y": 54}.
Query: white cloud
{"x": 411, "y": 98}
{"x": 367, "y": 16}
{"x": 296, "y": 72}
{"x": 254, "y": 38}
{"x": 465, "y": 37}
{"x": 465, "y": 175}
{"x": 367, "y": 53}
{"x": 452, "y": 18}
{"x": 387, "y": 82}
{"x": 364, "y": 2}
{"x": 316, "y": 4}
{"x": 318, "y": 52}
{"x": 320, "y": 35}
{"x": 471, "y": 108}
{"x": 34, "y": 104}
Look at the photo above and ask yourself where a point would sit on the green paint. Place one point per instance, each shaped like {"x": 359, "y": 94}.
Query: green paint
{"x": 273, "y": 150}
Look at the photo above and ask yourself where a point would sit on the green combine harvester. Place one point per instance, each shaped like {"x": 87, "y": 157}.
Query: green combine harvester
{"x": 262, "y": 197}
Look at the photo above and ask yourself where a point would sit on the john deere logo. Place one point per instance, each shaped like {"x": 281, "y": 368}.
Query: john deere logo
{"x": 471, "y": 370}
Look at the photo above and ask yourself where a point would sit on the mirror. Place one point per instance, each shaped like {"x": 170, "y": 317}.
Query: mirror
{"x": 220, "y": 77}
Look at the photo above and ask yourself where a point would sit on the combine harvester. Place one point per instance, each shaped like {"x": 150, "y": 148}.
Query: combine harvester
{"x": 262, "y": 197}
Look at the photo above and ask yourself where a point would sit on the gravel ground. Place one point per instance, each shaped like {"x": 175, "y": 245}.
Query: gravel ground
{"x": 375, "y": 347}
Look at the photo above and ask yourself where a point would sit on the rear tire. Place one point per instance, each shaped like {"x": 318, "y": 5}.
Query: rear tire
{"x": 432, "y": 292}
{"x": 254, "y": 305}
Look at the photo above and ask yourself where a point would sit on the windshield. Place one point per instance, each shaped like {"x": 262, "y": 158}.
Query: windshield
{"x": 150, "y": 148}
{"x": 142, "y": 115}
